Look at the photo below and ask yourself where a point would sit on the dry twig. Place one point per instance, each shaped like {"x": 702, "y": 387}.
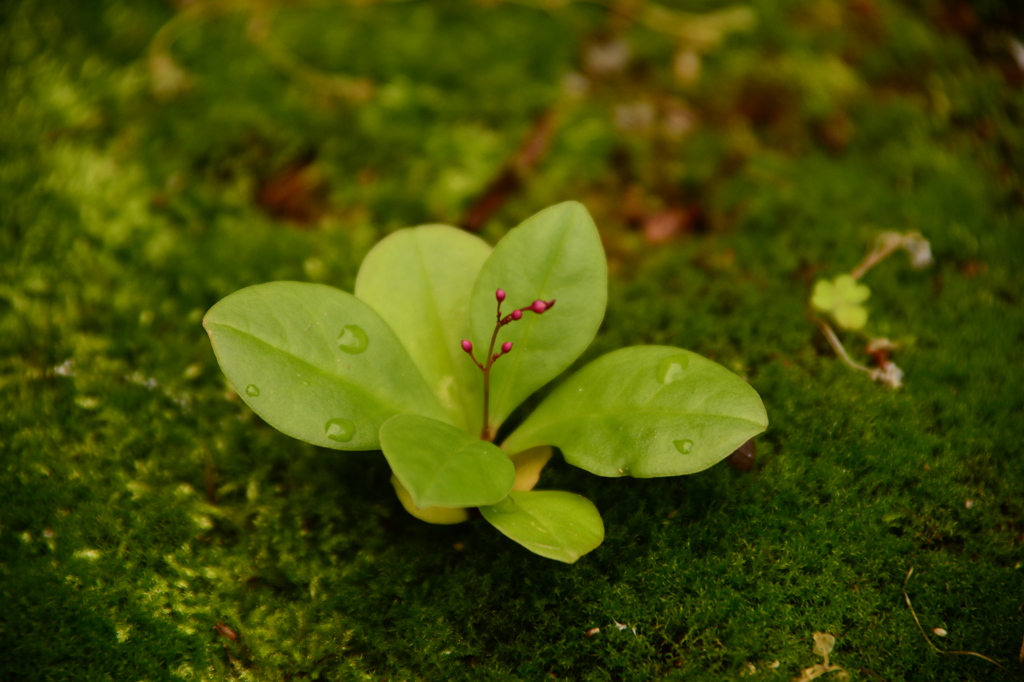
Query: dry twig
{"x": 925, "y": 635}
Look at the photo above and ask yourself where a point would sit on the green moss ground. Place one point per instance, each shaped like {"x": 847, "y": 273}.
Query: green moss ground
{"x": 141, "y": 503}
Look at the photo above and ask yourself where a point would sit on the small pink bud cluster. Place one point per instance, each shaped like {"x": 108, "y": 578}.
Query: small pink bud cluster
{"x": 505, "y": 347}
{"x": 467, "y": 346}
{"x": 538, "y": 307}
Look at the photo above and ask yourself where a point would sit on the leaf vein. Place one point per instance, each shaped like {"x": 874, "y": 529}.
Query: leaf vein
{"x": 355, "y": 387}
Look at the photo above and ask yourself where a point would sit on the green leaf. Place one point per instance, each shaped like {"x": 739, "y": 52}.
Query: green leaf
{"x": 824, "y": 297}
{"x": 529, "y": 464}
{"x": 420, "y": 280}
{"x": 841, "y": 298}
{"x": 443, "y": 466}
{"x": 316, "y": 363}
{"x": 645, "y": 411}
{"x": 851, "y": 291}
{"x": 850, "y": 316}
{"x": 554, "y": 524}
{"x": 444, "y": 516}
{"x": 556, "y": 254}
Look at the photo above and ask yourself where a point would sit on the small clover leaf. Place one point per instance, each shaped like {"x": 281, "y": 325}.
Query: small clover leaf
{"x": 841, "y": 298}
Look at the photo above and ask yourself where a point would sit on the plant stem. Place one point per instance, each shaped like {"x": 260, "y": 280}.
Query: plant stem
{"x": 886, "y": 245}
{"x": 485, "y": 430}
{"x": 923, "y": 634}
{"x": 538, "y": 307}
{"x": 837, "y": 346}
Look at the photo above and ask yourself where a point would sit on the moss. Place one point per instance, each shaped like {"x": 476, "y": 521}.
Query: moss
{"x": 141, "y": 504}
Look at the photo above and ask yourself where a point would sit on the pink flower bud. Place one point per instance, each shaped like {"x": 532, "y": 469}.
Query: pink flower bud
{"x": 538, "y": 306}
{"x": 506, "y": 347}
{"x": 517, "y": 314}
{"x": 467, "y": 346}
{"x": 500, "y": 295}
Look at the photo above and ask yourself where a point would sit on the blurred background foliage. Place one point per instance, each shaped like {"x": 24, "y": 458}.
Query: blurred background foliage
{"x": 156, "y": 156}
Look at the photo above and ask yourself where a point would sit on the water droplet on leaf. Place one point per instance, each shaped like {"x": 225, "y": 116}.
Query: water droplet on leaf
{"x": 353, "y": 339}
{"x": 252, "y": 390}
{"x": 340, "y": 430}
{"x": 672, "y": 368}
{"x": 684, "y": 446}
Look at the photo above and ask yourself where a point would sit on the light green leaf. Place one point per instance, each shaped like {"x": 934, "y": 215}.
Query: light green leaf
{"x": 850, "y": 316}
{"x": 554, "y": 524}
{"x": 851, "y": 291}
{"x": 824, "y": 297}
{"x": 444, "y": 516}
{"x": 645, "y": 411}
{"x": 841, "y": 298}
{"x": 420, "y": 280}
{"x": 556, "y": 254}
{"x": 316, "y": 363}
{"x": 442, "y": 466}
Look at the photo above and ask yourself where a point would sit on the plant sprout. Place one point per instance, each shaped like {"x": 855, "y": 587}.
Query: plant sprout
{"x": 842, "y": 297}
{"x": 387, "y": 369}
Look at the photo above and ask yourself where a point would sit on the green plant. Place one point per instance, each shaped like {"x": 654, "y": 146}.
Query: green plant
{"x": 385, "y": 369}
{"x": 842, "y": 299}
